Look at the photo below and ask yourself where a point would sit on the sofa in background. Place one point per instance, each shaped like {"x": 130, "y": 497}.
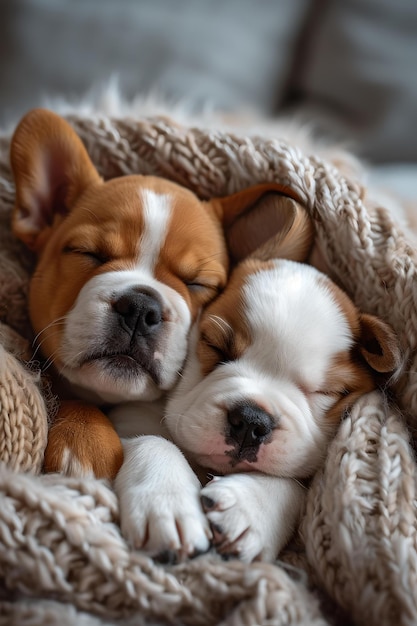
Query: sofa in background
{"x": 349, "y": 65}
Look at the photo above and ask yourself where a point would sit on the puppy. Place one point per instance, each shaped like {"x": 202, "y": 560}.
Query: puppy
{"x": 124, "y": 268}
{"x": 273, "y": 364}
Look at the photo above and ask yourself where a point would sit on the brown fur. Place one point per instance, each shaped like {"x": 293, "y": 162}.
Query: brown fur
{"x": 64, "y": 209}
{"x": 74, "y": 425}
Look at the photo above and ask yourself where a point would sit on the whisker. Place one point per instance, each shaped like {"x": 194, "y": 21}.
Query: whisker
{"x": 300, "y": 483}
{"x": 49, "y": 361}
{"x": 79, "y": 353}
{"x": 59, "y": 321}
{"x": 43, "y": 341}
{"x": 39, "y": 346}
{"x": 96, "y": 217}
{"x": 74, "y": 357}
{"x": 224, "y": 326}
{"x": 54, "y": 322}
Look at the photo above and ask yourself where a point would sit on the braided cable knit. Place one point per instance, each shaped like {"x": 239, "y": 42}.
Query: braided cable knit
{"x": 22, "y": 411}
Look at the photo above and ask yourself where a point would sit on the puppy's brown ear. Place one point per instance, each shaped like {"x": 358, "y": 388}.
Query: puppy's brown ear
{"x": 51, "y": 169}
{"x": 264, "y": 222}
{"x": 379, "y": 344}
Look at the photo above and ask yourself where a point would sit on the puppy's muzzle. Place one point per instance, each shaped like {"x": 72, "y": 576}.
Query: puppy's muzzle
{"x": 133, "y": 336}
{"x": 139, "y": 312}
{"x": 249, "y": 426}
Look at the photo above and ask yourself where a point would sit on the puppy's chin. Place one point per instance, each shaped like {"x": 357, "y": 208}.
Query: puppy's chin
{"x": 98, "y": 384}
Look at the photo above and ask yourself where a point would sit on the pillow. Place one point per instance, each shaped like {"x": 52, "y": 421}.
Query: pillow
{"x": 359, "y": 75}
{"x": 232, "y": 54}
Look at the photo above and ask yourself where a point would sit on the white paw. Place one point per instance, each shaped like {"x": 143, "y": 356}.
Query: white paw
{"x": 167, "y": 522}
{"x": 252, "y": 516}
{"x": 160, "y": 508}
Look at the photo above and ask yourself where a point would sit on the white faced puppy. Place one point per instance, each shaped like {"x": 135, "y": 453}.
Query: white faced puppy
{"x": 278, "y": 358}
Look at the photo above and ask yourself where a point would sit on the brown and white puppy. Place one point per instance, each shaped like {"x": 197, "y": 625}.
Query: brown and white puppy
{"x": 273, "y": 364}
{"x": 124, "y": 267}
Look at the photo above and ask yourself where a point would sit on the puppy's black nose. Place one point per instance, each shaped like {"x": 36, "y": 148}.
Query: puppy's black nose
{"x": 138, "y": 312}
{"x": 249, "y": 425}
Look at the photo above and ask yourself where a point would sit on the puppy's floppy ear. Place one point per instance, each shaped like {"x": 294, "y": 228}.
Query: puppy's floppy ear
{"x": 265, "y": 222}
{"x": 379, "y": 344}
{"x": 51, "y": 169}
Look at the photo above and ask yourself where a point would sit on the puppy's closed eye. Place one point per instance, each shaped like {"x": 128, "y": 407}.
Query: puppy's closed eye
{"x": 217, "y": 342}
{"x": 220, "y": 342}
{"x": 201, "y": 290}
{"x": 213, "y": 352}
{"x": 204, "y": 278}
{"x": 95, "y": 256}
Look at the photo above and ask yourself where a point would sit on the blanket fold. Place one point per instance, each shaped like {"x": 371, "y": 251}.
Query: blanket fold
{"x": 61, "y": 551}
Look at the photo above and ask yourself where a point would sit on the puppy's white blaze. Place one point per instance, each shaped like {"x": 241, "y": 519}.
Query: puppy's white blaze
{"x": 289, "y": 307}
{"x": 156, "y": 217}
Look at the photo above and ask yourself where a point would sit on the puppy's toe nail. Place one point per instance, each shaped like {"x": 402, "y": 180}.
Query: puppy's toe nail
{"x": 217, "y": 529}
{"x": 208, "y": 503}
{"x": 167, "y": 557}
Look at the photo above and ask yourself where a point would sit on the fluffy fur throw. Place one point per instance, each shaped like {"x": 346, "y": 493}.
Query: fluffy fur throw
{"x": 62, "y": 557}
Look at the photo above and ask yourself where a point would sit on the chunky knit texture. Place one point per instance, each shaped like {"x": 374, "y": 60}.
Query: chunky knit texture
{"x": 62, "y": 557}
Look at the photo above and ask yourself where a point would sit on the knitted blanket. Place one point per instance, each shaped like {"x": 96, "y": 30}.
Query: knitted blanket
{"x": 62, "y": 557}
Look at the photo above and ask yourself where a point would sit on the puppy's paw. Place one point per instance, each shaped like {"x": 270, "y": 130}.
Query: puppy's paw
{"x": 159, "y": 496}
{"x": 232, "y": 519}
{"x": 166, "y": 521}
{"x": 251, "y": 516}
{"x": 83, "y": 443}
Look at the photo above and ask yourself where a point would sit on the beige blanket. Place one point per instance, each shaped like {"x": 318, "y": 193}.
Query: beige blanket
{"x": 62, "y": 558}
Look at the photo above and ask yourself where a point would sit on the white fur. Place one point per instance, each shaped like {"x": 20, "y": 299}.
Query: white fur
{"x": 160, "y": 507}
{"x": 297, "y": 328}
{"x": 87, "y": 324}
{"x": 253, "y": 515}
{"x": 156, "y": 216}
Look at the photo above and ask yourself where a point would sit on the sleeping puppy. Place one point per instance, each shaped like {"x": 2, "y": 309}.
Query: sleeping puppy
{"x": 124, "y": 268}
{"x": 273, "y": 364}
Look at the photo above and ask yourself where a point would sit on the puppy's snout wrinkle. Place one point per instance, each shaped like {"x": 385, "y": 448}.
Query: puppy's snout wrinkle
{"x": 138, "y": 312}
{"x": 249, "y": 425}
